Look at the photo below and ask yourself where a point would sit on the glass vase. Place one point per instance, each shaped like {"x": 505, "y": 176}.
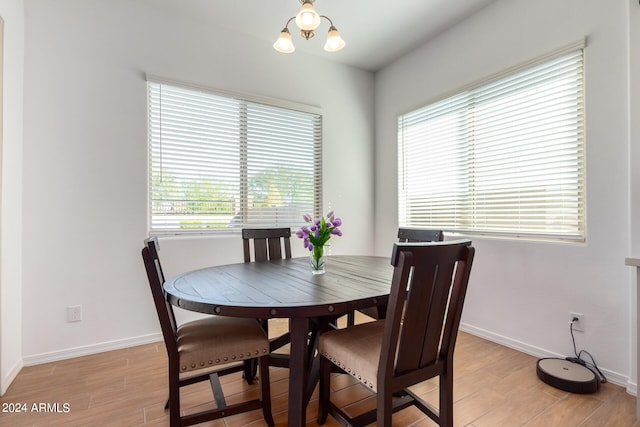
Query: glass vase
{"x": 318, "y": 260}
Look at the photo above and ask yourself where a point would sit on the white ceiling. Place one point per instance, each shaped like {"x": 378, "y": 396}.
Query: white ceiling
{"x": 376, "y": 32}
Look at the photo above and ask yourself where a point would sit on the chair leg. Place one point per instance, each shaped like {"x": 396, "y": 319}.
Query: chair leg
{"x": 249, "y": 372}
{"x": 446, "y": 398}
{"x": 324, "y": 390}
{"x": 250, "y": 375}
{"x": 265, "y": 390}
{"x": 174, "y": 399}
{"x": 385, "y": 409}
{"x": 351, "y": 318}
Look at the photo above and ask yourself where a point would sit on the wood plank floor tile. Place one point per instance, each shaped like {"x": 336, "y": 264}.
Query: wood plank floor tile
{"x": 494, "y": 386}
{"x": 617, "y": 411}
{"x": 518, "y": 409}
{"x": 573, "y": 410}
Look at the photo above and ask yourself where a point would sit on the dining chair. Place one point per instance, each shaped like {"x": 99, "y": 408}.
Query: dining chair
{"x": 415, "y": 341}
{"x": 269, "y": 244}
{"x": 404, "y": 235}
{"x": 154, "y": 246}
{"x": 204, "y": 345}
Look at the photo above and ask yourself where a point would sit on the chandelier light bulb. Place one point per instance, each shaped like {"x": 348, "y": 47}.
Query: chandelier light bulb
{"x": 334, "y": 41}
{"x": 284, "y": 43}
{"x": 307, "y": 19}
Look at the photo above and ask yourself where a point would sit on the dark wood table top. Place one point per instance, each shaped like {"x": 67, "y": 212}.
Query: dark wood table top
{"x": 283, "y": 288}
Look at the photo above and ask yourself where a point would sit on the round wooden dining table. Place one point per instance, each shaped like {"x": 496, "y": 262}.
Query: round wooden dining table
{"x": 287, "y": 289}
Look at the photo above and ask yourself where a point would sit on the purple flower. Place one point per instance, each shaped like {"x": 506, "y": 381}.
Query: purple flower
{"x": 317, "y": 232}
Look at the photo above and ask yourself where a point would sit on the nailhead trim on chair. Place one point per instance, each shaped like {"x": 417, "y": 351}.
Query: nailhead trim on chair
{"x": 226, "y": 359}
{"x": 350, "y": 371}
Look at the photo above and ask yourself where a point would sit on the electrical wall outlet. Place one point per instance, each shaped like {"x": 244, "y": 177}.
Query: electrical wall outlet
{"x": 74, "y": 313}
{"x": 578, "y": 321}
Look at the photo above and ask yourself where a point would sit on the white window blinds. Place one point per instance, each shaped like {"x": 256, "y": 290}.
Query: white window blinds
{"x": 219, "y": 162}
{"x": 503, "y": 158}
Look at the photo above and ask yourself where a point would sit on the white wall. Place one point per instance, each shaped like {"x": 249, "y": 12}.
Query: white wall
{"x": 12, "y": 12}
{"x": 521, "y": 292}
{"x": 85, "y": 154}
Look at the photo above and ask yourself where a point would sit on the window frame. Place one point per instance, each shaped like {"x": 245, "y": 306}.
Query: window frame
{"x": 467, "y": 200}
{"x": 315, "y": 115}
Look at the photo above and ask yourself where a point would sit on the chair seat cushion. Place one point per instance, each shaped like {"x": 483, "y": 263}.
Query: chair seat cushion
{"x": 218, "y": 340}
{"x": 356, "y": 350}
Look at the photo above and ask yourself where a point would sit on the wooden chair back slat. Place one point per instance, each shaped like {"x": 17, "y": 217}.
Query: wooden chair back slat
{"x": 163, "y": 308}
{"x": 154, "y": 247}
{"x": 152, "y": 244}
{"x": 260, "y": 250}
{"x": 268, "y": 243}
{"x": 426, "y": 297}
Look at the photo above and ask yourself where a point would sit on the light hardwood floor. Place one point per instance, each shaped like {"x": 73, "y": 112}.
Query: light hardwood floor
{"x": 494, "y": 387}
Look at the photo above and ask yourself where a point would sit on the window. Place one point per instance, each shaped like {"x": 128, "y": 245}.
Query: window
{"x": 219, "y": 163}
{"x": 503, "y": 158}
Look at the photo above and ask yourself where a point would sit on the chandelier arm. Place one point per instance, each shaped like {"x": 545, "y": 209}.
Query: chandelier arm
{"x": 289, "y": 21}
{"x": 328, "y": 19}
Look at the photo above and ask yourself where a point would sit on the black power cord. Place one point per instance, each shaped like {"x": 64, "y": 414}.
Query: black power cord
{"x": 579, "y": 360}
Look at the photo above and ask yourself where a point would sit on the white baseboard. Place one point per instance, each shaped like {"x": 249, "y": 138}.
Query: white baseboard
{"x": 11, "y": 375}
{"x": 612, "y": 377}
{"x": 37, "y": 359}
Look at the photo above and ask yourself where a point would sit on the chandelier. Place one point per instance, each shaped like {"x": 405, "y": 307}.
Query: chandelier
{"x": 308, "y": 20}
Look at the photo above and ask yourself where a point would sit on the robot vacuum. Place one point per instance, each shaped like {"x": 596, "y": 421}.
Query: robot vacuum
{"x": 567, "y": 375}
